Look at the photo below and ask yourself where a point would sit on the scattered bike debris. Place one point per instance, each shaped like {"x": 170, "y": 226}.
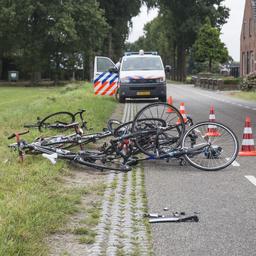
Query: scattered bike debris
{"x": 175, "y": 217}
{"x": 193, "y": 218}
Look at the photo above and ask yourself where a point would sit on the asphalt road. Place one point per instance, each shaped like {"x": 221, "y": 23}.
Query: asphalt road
{"x": 225, "y": 200}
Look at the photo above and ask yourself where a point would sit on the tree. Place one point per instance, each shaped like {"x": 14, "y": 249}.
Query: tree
{"x": 92, "y": 29}
{"x": 44, "y": 35}
{"x": 208, "y": 46}
{"x": 118, "y": 14}
{"x": 155, "y": 39}
{"x": 184, "y": 19}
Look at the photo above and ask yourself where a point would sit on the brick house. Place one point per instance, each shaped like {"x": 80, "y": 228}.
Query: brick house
{"x": 248, "y": 39}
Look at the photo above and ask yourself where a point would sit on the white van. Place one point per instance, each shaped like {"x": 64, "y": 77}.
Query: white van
{"x": 141, "y": 75}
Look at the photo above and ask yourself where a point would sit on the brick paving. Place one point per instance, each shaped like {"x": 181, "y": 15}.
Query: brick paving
{"x": 122, "y": 229}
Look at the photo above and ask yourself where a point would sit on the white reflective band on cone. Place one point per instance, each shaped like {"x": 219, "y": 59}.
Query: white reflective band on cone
{"x": 248, "y": 142}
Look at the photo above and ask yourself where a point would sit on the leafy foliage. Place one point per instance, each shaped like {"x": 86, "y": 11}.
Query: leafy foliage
{"x": 42, "y": 35}
{"x": 208, "y": 46}
{"x": 118, "y": 14}
{"x": 182, "y": 21}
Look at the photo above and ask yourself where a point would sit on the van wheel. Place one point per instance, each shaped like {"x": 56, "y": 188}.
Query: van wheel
{"x": 121, "y": 100}
{"x": 162, "y": 99}
{"x": 117, "y": 94}
{"x": 118, "y": 97}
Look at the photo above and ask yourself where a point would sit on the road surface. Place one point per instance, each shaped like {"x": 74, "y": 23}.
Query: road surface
{"x": 225, "y": 200}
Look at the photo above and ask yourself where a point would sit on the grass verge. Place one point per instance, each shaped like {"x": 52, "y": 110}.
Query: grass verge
{"x": 33, "y": 199}
{"x": 245, "y": 95}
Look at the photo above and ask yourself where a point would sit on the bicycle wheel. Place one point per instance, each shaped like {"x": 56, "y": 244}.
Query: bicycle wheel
{"x": 126, "y": 128}
{"x": 113, "y": 124}
{"x": 210, "y": 146}
{"x": 52, "y": 121}
{"x": 159, "y": 128}
{"x": 102, "y": 165}
{"x": 123, "y": 129}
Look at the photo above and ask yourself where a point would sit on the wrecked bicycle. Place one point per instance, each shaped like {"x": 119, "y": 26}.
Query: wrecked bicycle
{"x": 157, "y": 132}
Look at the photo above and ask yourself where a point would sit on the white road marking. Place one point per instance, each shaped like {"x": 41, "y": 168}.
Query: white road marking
{"x": 235, "y": 163}
{"x": 252, "y": 179}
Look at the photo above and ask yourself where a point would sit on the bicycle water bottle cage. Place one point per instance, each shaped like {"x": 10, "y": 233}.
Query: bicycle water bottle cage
{"x": 52, "y": 158}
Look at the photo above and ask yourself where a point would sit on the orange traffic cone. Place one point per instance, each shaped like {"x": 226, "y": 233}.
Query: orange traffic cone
{"x": 248, "y": 148}
{"x": 183, "y": 113}
{"x": 170, "y": 102}
{"x": 212, "y": 129}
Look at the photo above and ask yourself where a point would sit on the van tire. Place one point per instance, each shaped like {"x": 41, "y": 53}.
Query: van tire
{"x": 121, "y": 100}
{"x": 162, "y": 99}
{"x": 117, "y": 94}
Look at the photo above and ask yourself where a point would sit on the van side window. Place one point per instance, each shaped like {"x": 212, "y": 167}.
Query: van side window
{"x": 104, "y": 64}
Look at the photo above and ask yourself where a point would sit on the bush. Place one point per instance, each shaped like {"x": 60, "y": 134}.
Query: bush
{"x": 189, "y": 80}
{"x": 231, "y": 80}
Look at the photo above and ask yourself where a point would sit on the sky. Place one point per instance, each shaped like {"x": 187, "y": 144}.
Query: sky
{"x": 230, "y": 32}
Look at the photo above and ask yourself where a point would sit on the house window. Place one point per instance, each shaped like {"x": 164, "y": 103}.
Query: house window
{"x": 250, "y": 27}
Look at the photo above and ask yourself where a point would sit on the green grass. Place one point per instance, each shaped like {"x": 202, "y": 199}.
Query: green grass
{"x": 245, "y": 95}
{"x": 33, "y": 199}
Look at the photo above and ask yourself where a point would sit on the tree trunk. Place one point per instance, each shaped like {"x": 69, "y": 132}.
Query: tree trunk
{"x": 88, "y": 66}
{"x": 181, "y": 63}
{"x": 1, "y": 68}
{"x": 110, "y": 46}
{"x": 57, "y": 72}
{"x": 210, "y": 65}
{"x": 173, "y": 63}
{"x": 35, "y": 77}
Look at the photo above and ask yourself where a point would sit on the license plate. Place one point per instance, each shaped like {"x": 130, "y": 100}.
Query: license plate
{"x": 144, "y": 93}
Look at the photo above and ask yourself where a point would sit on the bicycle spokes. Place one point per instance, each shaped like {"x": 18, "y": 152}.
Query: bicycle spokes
{"x": 210, "y": 151}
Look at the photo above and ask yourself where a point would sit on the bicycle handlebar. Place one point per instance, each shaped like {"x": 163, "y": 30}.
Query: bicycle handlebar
{"x": 17, "y": 134}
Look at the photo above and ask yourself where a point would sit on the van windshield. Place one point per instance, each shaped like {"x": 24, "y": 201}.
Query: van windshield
{"x": 142, "y": 63}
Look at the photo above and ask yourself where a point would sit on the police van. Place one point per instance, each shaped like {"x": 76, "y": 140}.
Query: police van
{"x": 140, "y": 75}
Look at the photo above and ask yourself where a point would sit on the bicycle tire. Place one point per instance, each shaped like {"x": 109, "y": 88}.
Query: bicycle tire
{"x": 122, "y": 168}
{"x": 167, "y": 140}
{"x": 31, "y": 126}
{"x": 63, "y": 116}
{"x": 220, "y": 154}
{"x": 111, "y": 123}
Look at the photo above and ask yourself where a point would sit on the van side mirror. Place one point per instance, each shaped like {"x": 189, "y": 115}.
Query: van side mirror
{"x": 114, "y": 70}
{"x": 168, "y": 68}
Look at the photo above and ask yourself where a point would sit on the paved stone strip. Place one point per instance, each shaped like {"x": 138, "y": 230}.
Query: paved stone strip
{"x": 126, "y": 225}
{"x": 142, "y": 234}
{"x": 102, "y": 232}
{"x": 114, "y": 218}
{"x": 121, "y": 230}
